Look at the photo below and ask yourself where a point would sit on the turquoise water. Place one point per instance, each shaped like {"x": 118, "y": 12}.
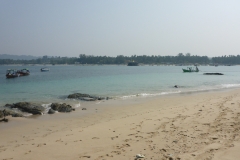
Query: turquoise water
{"x": 112, "y": 81}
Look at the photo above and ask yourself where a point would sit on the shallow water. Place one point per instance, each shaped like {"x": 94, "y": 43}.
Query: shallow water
{"x": 111, "y": 81}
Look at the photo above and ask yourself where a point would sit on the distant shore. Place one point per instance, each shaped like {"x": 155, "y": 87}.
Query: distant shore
{"x": 191, "y": 126}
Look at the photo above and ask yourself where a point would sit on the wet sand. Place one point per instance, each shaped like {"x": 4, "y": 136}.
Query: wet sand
{"x": 192, "y": 126}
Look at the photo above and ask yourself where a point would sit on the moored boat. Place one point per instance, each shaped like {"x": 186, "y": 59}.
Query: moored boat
{"x": 23, "y": 72}
{"x": 12, "y": 73}
{"x": 132, "y": 63}
{"x": 45, "y": 69}
{"x": 190, "y": 69}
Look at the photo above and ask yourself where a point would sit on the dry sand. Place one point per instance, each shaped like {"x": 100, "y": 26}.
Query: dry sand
{"x": 196, "y": 126}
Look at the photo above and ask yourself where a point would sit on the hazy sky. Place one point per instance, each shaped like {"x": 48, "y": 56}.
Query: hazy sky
{"x": 119, "y": 27}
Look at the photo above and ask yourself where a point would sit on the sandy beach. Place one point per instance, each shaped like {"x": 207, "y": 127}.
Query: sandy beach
{"x": 203, "y": 126}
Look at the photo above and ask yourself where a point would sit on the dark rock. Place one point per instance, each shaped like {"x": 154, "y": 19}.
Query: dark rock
{"x": 85, "y": 97}
{"x": 88, "y": 99}
{"x": 176, "y": 86}
{"x": 78, "y": 95}
{"x": 4, "y": 120}
{"x": 9, "y": 105}
{"x": 61, "y": 107}
{"x": 213, "y": 74}
{"x": 84, "y": 108}
{"x": 101, "y": 98}
{"x": 28, "y": 107}
{"x": 1, "y": 114}
{"x": 51, "y": 111}
{"x": 10, "y": 113}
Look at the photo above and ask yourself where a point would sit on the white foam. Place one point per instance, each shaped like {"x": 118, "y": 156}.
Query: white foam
{"x": 150, "y": 94}
{"x": 230, "y": 85}
{"x": 47, "y": 107}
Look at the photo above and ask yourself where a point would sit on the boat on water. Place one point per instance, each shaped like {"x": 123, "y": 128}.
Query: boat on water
{"x": 45, "y": 69}
{"x": 132, "y": 63}
{"x": 191, "y": 69}
{"x": 23, "y": 72}
{"x": 12, "y": 73}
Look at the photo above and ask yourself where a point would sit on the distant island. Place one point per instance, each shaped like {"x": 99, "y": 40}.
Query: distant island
{"x": 17, "y": 57}
{"x": 180, "y": 60}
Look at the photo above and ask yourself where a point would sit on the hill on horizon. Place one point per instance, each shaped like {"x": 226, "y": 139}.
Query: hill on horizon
{"x": 17, "y": 57}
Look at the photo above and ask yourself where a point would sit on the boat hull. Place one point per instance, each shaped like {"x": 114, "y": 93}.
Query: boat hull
{"x": 44, "y": 69}
{"x": 186, "y": 70}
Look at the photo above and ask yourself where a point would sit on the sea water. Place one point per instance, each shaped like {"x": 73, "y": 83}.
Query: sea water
{"x": 116, "y": 81}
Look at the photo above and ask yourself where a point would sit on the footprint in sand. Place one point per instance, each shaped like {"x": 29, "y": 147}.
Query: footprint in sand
{"x": 127, "y": 140}
{"x": 41, "y": 144}
{"x": 116, "y": 152}
{"x": 85, "y": 157}
{"x": 28, "y": 152}
{"x": 114, "y": 137}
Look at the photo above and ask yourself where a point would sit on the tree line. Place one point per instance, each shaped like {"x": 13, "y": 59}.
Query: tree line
{"x": 180, "y": 59}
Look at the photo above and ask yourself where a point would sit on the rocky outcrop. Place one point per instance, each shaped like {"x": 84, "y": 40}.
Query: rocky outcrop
{"x": 61, "y": 107}
{"x": 85, "y": 97}
{"x": 27, "y": 107}
{"x": 10, "y": 113}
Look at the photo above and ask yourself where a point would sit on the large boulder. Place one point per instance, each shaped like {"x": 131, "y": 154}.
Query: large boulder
{"x": 61, "y": 107}
{"x": 28, "y": 107}
{"x": 51, "y": 111}
{"x": 85, "y": 97}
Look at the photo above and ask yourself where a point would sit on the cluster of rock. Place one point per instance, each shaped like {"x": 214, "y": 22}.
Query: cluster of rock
{"x": 37, "y": 109}
{"x": 85, "y": 97}
{"x": 60, "y": 108}
{"x": 33, "y": 108}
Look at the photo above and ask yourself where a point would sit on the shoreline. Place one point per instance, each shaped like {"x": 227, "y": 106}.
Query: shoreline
{"x": 75, "y": 102}
{"x": 192, "y": 126}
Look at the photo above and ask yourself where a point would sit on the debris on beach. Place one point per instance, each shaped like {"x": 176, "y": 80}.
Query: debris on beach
{"x": 140, "y": 156}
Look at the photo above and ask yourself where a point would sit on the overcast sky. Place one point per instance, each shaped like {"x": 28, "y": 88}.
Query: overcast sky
{"x": 119, "y": 27}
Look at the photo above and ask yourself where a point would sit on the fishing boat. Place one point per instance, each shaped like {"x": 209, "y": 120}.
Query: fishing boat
{"x": 190, "y": 69}
{"x": 12, "y": 73}
{"x": 45, "y": 69}
{"x": 23, "y": 72}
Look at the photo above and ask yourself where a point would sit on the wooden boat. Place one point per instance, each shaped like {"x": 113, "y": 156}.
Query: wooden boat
{"x": 190, "y": 69}
{"x": 23, "y": 72}
{"x": 45, "y": 69}
{"x": 12, "y": 73}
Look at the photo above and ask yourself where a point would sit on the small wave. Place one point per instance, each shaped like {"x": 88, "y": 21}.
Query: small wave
{"x": 47, "y": 107}
{"x": 230, "y": 85}
{"x": 150, "y": 94}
